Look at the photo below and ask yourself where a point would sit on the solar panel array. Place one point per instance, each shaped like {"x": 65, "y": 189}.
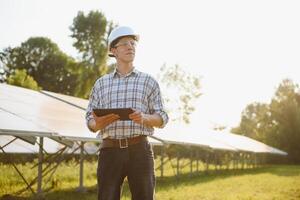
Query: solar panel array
{"x": 28, "y": 114}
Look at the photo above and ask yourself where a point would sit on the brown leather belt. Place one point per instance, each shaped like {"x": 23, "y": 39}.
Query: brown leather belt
{"x": 122, "y": 143}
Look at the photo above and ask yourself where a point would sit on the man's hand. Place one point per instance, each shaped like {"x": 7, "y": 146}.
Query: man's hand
{"x": 102, "y": 122}
{"x": 138, "y": 117}
{"x": 150, "y": 120}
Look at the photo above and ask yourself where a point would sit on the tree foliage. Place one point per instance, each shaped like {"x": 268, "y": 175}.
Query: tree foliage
{"x": 254, "y": 121}
{"x": 22, "y": 79}
{"x": 90, "y": 34}
{"x": 45, "y": 62}
{"x": 277, "y": 123}
{"x": 52, "y": 69}
{"x": 181, "y": 89}
{"x": 285, "y": 108}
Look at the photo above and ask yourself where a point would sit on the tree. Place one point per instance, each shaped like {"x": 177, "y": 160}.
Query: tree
{"x": 90, "y": 33}
{"x": 181, "y": 89}
{"x": 22, "y": 79}
{"x": 285, "y": 109}
{"x": 255, "y": 121}
{"x": 45, "y": 62}
{"x": 277, "y": 123}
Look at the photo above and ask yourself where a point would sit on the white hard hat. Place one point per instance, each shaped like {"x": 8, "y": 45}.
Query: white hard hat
{"x": 121, "y": 31}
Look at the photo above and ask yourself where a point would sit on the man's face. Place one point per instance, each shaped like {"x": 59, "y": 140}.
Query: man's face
{"x": 125, "y": 49}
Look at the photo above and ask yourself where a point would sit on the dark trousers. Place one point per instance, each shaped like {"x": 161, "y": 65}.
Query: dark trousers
{"x": 136, "y": 162}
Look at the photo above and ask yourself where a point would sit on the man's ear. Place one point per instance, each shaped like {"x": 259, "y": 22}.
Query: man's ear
{"x": 113, "y": 51}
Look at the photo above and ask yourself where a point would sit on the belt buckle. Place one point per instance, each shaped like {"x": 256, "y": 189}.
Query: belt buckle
{"x": 121, "y": 143}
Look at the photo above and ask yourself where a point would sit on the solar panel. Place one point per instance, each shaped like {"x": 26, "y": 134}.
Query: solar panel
{"x": 243, "y": 143}
{"x": 77, "y": 102}
{"x": 45, "y": 112}
{"x": 14, "y": 125}
{"x": 27, "y": 113}
{"x": 219, "y": 140}
{"x": 20, "y": 146}
{"x": 180, "y": 135}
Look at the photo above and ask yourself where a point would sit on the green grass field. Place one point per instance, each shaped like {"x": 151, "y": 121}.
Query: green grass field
{"x": 267, "y": 183}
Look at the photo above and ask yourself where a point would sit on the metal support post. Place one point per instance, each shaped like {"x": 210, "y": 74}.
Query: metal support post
{"x": 177, "y": 166}
{"x": 197, "y": 157}
{"x": 191, "y": 163}
{"x": 40, "y": 167}
{"x": 162, "y": 162}
{"x": 207, "y": 162}
{"x": 81, "y": 167}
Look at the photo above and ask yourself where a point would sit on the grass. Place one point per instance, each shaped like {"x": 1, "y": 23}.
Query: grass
{"x": 280, "y": 182}
{"x": 267, "y": 183}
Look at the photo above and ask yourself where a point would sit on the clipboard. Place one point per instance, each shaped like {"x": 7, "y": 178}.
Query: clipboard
{"x": 122, "y": 112}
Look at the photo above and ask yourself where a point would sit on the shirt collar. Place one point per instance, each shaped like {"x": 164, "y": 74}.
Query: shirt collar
{"x": 132, "y": 72}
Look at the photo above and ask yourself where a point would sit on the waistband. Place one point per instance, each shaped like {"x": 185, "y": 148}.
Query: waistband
{"x": 122, "y": 143}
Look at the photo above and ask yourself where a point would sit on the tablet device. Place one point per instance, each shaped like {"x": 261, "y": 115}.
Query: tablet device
{"x": 122, "y": 112}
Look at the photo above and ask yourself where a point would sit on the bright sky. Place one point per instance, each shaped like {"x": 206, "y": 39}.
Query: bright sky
{"x": 241, "y": 49}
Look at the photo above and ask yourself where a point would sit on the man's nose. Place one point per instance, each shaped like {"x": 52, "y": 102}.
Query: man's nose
{"x": 130, "y": 47}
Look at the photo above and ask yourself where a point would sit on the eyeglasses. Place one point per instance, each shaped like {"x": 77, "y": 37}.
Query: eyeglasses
{"x": 133, "y": 43}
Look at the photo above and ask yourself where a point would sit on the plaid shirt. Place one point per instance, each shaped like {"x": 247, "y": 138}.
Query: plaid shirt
{"x": 135, "y": 90}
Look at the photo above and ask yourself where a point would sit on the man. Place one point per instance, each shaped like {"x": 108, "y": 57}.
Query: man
{"x": 125, "y": 150}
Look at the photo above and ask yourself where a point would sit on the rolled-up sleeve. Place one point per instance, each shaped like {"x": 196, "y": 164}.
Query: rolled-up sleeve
{"x": 93, "y": 103}
{"x": 156, "y": 104}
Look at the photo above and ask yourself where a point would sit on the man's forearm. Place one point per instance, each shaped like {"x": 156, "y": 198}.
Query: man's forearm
{"x": 153, "y": 120}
